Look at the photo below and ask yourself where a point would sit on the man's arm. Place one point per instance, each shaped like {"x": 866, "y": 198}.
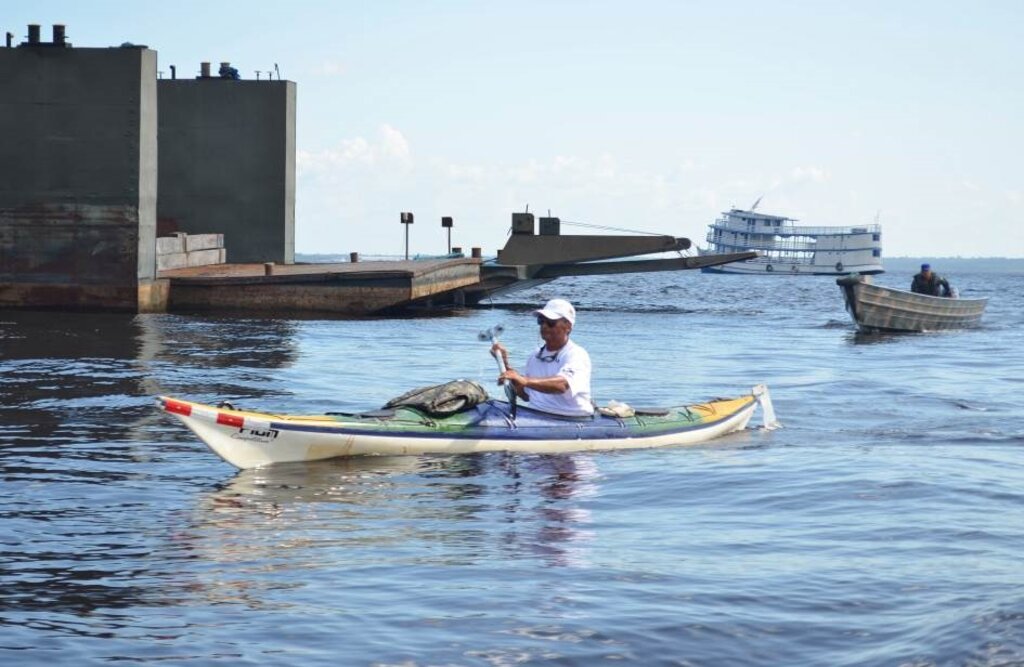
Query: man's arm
{"x": 556, "y": 384}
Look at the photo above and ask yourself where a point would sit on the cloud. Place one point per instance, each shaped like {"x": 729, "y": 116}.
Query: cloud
{"x": 395, "y": 145}
{"x": 567, "y": 170}
{"x": 390, "y": 148}
{"x": 361, "y": 182}
{"x": 462, "y": 174}
{"x": 566, "y": 180}
{"x": 330, "y": 68}
{"x": 812, "y": 174}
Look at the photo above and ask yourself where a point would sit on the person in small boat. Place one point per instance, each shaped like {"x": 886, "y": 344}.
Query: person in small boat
{"x": 556, "y": 377}
{"x": 930, "y": 283}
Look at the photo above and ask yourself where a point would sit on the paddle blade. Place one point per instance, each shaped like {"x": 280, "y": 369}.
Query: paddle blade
{"x": 767, "y": 409}
{"x": 491, "y": 334}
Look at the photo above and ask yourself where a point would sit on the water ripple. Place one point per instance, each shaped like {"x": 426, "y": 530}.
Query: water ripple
{"x": 880, "y": 526}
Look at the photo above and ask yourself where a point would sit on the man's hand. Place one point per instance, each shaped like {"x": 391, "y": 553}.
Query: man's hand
{"x": 517, "y": 379}
{"x": 497, "y": 348}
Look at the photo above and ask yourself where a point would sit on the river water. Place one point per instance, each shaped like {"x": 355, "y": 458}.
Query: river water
{"x": 882, "y": 525}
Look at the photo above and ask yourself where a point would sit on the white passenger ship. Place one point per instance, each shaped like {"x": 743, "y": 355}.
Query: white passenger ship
{"x": 789, "y": 249}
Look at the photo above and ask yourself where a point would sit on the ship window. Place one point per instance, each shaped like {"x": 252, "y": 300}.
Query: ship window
{"x": 876, "y": 237}
{"x": 876, "y": 252}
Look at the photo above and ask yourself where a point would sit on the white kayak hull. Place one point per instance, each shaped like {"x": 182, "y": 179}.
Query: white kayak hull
{"x": 251, "y": 439}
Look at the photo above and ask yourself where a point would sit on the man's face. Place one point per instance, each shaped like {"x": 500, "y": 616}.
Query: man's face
{"x": 554, "y": 332}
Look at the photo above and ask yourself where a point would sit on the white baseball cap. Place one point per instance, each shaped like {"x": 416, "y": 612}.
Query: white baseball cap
{"x": 558, "y": 309}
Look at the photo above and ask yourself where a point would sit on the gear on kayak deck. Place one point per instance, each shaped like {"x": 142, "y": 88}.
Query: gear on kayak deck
{"x": 442, "y": 400}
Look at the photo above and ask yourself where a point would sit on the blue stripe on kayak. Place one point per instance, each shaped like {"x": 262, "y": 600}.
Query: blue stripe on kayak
{"x": 608, "y": 432}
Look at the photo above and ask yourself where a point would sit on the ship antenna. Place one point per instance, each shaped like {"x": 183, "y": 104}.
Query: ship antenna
{"x": 754, "y": 207}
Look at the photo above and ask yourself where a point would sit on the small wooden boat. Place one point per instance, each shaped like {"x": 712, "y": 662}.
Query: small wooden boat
{"x": 251, "y": 439}
{"x": 877, "y": 308}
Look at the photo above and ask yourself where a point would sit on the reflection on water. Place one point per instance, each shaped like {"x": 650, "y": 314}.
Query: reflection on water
{"x": 543, "y": 506}
{"x": 92, "y": 377}
{"x": 448, "y": 501}
{"x": 877, "y": 337}
{"x": 77, "y": 427}
{"x": 910, "y": 338}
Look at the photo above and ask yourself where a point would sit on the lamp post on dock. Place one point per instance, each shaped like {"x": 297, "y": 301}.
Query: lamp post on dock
{"x": 446, "y": 222}
{"x": 406, "y": 219}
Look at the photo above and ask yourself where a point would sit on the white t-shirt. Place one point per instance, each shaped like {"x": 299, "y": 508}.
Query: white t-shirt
{"x": 571, "y": 362}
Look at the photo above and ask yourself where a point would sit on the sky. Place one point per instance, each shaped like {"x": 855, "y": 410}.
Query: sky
{"x": 643, "y": 115}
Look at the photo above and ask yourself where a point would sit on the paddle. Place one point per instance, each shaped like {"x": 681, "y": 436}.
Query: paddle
{"x": 492, "y": 335}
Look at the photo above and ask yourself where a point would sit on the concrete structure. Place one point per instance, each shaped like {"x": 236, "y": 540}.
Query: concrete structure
{"x": 530, "y": 259}
{"x": 84, "y": 189}
{"x": 184, "y": 250}
{"x": 550, "y": 247}
{"x": 227, "y": 164}
{"x": 78, "y": 176}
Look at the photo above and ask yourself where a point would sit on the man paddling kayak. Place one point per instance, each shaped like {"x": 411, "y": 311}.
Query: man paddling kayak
{"x": 557, "y": 375}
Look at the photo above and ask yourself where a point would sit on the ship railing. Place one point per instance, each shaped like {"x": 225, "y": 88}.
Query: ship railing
{"x": 794, "y": 230}
{"x": 785, "y": 259}
{"x": 785, "y": 250}
{"x": 833, "y": 231}
{"x": 770, "y": 244}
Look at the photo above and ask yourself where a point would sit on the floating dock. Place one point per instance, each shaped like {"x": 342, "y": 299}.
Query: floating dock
{"x": 347, "y": 288}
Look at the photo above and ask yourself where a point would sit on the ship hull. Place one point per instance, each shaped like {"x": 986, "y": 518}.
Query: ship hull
{"x": 782, "y": 268}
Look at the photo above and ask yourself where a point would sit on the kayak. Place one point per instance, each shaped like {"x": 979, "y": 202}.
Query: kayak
{"x": 249, "y": 439}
